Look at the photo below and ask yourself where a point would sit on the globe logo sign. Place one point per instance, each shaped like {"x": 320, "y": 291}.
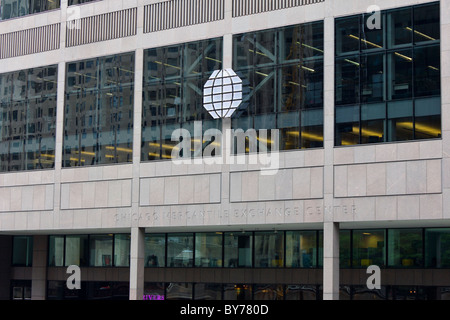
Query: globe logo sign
{"x": 222, "y": 93}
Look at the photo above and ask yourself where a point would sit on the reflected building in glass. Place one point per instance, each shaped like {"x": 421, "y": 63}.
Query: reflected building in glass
{"x": 98, "y": 118}
{"x": 95, "y": 96}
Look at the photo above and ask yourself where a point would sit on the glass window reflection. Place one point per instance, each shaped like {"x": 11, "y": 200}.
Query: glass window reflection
{"x": 208, "y": 249}
{"x": 155, "y": 250}
{"x": 238, "y": 249}
{"x": 283, "y": 69}
{"x": 98, "y": 118}
{"x": 16, "y": 8}
{"x": 405, "y": 248}
{"x": 399, "y": 73}
{"x": 369, "y": 248}
{"x": 301, "y": 249}
{"x": 173, "y": 78}
{"x": 269, "y": 249}
{"x": 180, "y": 250}
{"x": 28, "y": 119}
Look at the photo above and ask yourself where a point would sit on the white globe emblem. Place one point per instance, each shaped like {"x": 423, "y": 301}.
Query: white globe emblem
{"x": 222, "y": 93}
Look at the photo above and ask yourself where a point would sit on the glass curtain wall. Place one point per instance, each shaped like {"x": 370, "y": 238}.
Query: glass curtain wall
{"x": 386, "y": 248}
{"x": 180, "y": 250}
{"x": 77, "y": 250}
{"x": 238, "y": 248}
{"x": 17, "y": 8}
{"x": 283, "y": 69}
{"x": 155, "y": 250}
{"x": 89, "y": 250}
{"x": 28, "y": 119}
{"x": 173, "y": 97}
{"x": 388, "y": 78}
{"x": 269, "y": 249}
{"x": 73, "y": 2}
{"x": 22, "y": 253}
{"x": 437, "y": 248}
{"x": 208, "y": 249}
{"x": 98, "y": 118}
{"x": 301, "y": 249}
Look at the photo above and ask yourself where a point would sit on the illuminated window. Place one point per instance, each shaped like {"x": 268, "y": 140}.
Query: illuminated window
{"x": 388, "y": 79}
{"x": 283, "y": 69}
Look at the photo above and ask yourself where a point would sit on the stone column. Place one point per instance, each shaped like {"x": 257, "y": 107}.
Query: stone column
{"x": 331, "y": 261}
{"x": 445, "y": 96}
{"x": 137, "y": 266}
{"x": 331, "y": 229}
{"x": 39, "y": 269}
{"x": 137, "y": 254}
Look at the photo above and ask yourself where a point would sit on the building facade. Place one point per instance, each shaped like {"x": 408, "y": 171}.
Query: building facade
{"x": 347, "y": 168}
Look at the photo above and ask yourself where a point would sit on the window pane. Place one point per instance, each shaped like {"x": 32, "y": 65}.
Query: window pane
{"x": 28, "y": 119}
{"x": 155, "y": 250}
{"x": 427, "y": 75}
{"x": 344, "y": 248}
{"x": 372, "y": 37}
{"x": 122, "y": 250}
{"x": 264, "y": 91}
{"x": 405, "y": 248}
{"x": 208, "y": 291}
{"x": 17, "y": 8}
{"x": 347, "y": 35}
{"x": 372, "y": 78}
{"x": 428, "y": 118}
{"x": 269, "y": 249}
{"x": 347, "y": 126}
{"x": 290, "y": 90}
{"x": 290, "y": 47}
{"x": 237, "y": 292}
{"x": 179, "y": 291}
{"x": 56, "y": 251}
{"x": 208, "y": 249}
{"x": 268, "y": 292}
{"x": 238, "y": 249}
{"x": 301, "y": 249}
{"x": 400, "y": 119}
{"x": 73, "y": 2}
{"x": 155, "y": 289}
{"x": 312, "y": 128}
{"x": 180, "y": 250}
{"x": 399, "y": 75}
{"x": 311, "y": 40}
{"x": 373, "y": 123}
{"x": 410, "y": 70}
{"x": 22, "y": 254}
{"x": 98, "y": 118}
{"x": 399, "y": 24}
{"x": 285, "y": 76}
{"x": 172, "y": 95}
{"x": 368, "y": 248}
{"x": 301, "y": 292}
{"x": 426, "y": 23}
{"x": 101, "y": 250}
{"x": 264, "y": 48}
{"x": 437, "y": 248}
{"x": 347, "y": 80}
{"x": 77, "y": 250}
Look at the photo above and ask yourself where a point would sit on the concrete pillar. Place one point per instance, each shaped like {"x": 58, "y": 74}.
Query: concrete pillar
{"x": 137, "y": 265}
{"x": 39, "y": 269}
{"x": 331, "y": 228}
{"x": 445, "y": 102}
{"x": 331, "y": 261}
{"x": 137, "y": 250}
